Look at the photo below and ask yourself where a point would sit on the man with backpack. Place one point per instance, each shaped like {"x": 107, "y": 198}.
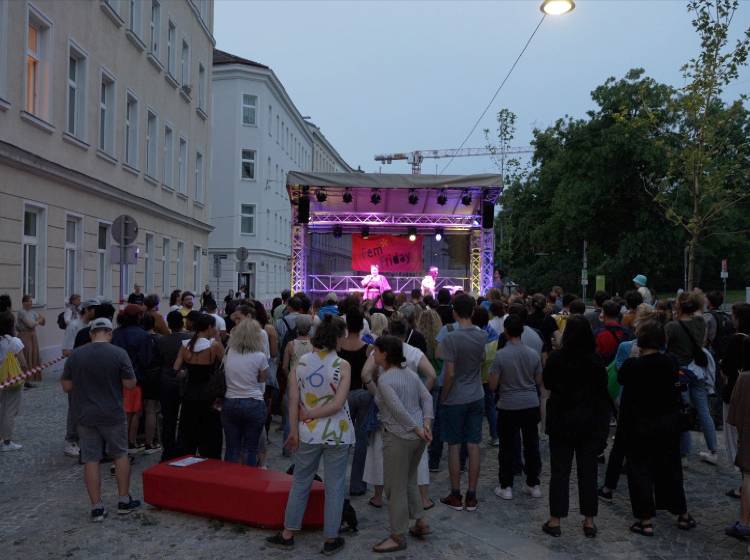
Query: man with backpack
{"x": 611, "y": 333}
{"x": 719, "y": 332}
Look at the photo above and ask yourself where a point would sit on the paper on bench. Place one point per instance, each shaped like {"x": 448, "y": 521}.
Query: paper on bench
{"x": 187, "y": 461}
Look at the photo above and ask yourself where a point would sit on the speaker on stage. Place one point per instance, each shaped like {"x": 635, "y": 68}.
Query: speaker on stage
{"x": 488, "y": 215}
{"x": 303, "y": 211}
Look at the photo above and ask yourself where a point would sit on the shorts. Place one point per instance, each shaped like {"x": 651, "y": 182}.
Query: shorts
{"x": 92, "y": 441}
{"x": 462, "y": 423}
{"x": 133, "y": 399}
{"x": 151, "y": 387}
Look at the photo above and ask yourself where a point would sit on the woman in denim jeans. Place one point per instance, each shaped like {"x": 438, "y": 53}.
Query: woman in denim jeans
{"x": 321, "y": 428}
{"x": 243, "y": 412}
{"x": 691, "y": 325}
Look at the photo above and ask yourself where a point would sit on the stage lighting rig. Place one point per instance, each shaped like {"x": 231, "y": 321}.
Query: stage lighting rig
{"x": 442, "y": 198}
{"x": 412, "y": 234}
{"x": 413, "y": 197}
{"x": 439, "y": 234}
{"x": 375, "y": 197}
{"x": 321, "y": 195}
{"x": 338, "y": 231}
{"x": 365, "y": 232}
{"x": 466, "y": 199}
{"x": 347, "y": 196}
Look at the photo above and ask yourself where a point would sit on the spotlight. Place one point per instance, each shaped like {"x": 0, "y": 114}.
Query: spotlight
{"x": 439, "y": 235}
{"x": 338, "y": 231}
{"x": 442, "y": 198}
{"x": 347, "y": 196}
{"x": 466, "y": 199}
{"x": 365, "y": 232}
{"x": 375, "y": 197}
{"x": 413, "y": 196}
{"x": 321, "y": 195}
{"x": 412, "y": 234}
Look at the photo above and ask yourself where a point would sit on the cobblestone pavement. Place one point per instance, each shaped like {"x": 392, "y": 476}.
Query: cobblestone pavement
{"x": 44, "y": 513}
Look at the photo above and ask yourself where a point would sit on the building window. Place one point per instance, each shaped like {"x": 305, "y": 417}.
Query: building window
{"x": 37, "y": 65}
{"x": 247, "y": 218}
{"x": 152, "y": 139}
{"x": 248, "y": 164}
{"x": 185, "y": 64}
{"x": 171, "y": 46}
{"x": 165, "y": 274}
{"x": 104, "y": 266}
{"x": 168, "y": 156}
{"x": 202, "y": 87}
{"x": 131, "y": 130}
{"x": 268, "y": 224}
{"x": 249, "y": 103}
{"x": 196, "y": 269}
{"x": 179, "y": 263}
{"x": 198, "y": 177}
{"x": 3, "y": 48}
{"x": 135, "y": 16}
{"x": 182, "y": 157}
{"x": 76, "y": 122}
{"x": 106, "y": 114}
{"x": 270, "y": 120}
{"x": 72, "y": 256}
{"x": 34, "y": 242}
{"x": 155, "y": 27}
{"x": 148, "y": 263}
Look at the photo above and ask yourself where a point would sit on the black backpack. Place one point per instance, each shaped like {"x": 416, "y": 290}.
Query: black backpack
{"x": 289, "y": 335}
{"x": 61, "y": 321}
{"x": 724, "y": 332}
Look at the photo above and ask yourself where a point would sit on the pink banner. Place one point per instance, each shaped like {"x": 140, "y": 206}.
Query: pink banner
{"x": 389, "y": 252}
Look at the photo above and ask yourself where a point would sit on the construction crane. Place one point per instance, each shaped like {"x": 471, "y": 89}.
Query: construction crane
{"x": 416, "y": 157}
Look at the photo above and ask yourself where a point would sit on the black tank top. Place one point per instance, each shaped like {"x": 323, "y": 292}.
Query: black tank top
{"x": 356, "y": 359}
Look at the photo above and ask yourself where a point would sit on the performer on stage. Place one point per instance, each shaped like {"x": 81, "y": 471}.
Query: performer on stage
{"x": 374, "y": 285}
{"x": 428, "y": 282}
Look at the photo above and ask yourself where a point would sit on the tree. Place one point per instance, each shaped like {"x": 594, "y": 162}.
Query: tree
{"x": 705, "y": 142}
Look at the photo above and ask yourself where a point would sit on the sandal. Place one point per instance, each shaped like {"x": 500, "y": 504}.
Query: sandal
{"x": 645, "y": 529}
{"x": 686, "y": 522}
{"x": 419, "y": 532}
{"x": 590, "y": 532}
{"x": 373, "y": 504}
{"x": 432, "y": 505}
{"x": 550, "y": 530}
{"x": 400, "y": 545}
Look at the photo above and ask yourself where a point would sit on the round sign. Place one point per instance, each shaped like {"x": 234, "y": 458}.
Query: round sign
{"x": 242, "y": 254}
{"x": 125, "y": 229}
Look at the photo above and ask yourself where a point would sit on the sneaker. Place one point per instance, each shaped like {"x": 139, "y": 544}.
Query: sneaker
{"x": 453, "y": 502}
{"x": 72, "y": 449}
{"x": 738, "y": 531}
{"x": 710, "y": 458}
{"x": 504, "y": 493}
{"x": 98, "y": 515}
{"x": 124, "y": 509}
{"x": 533, "y": 491}
{"x": 495, "y": 442}
{"x": 605, "y": 494}
{"x": 331, "y": 548}
{"x": 135, "y": 448}
{"x": 10, "y": 446}
{"x": 151, "y": 449}
{"x": 278, "y": 541}
{"x": 470, "y": 503}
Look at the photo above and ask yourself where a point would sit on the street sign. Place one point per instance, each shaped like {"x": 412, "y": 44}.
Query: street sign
{"x": 131, "y": 254}
{"x": 242, "y": 266}
{"x": 242, "y": 254}
{"x": 125, "y": 230}
{"x": 724, "y": 269}
{"x": 600, "y": 282}
{"x": 584, "y": 277}
{"x": 218, "y": 257}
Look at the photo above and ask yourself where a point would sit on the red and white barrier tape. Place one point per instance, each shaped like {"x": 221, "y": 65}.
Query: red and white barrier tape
{"x": 27, "y": 374}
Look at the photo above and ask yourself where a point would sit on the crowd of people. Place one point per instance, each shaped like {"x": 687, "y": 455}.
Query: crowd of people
{"x": 393, "y": 381}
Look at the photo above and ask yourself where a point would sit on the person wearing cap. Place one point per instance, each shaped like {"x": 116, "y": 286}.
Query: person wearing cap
{"x": 330, "y": 305}
{"x": 86, "y": 311}
{"x": 95, "y": 375}
{"x": 640, "y": 282}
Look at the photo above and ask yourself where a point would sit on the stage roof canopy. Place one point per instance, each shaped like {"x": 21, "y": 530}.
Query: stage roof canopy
{"x": 395, "y": 191}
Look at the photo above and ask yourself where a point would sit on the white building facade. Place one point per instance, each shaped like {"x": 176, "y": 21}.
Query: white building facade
{"x": 104, "y": 110}
{"x": 259, "y": 136}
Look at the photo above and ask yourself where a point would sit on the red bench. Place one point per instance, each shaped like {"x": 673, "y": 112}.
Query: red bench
{"x": 228, "y": 491}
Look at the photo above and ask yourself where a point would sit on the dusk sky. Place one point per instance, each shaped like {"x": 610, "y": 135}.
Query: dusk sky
{"x": 382, "y": 77}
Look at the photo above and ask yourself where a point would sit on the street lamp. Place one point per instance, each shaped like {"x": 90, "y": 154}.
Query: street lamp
{"x": 557, "y": 7}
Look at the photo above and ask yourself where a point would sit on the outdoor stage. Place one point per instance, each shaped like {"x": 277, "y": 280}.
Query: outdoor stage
{"x": 403, "y": 223}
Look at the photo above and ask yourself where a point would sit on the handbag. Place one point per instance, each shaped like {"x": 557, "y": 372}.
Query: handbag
{"x": 699, "y": 357}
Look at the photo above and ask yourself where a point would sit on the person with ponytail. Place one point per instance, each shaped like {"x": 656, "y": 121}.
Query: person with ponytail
{"x": 406, "y": 417}
{"x": 200, "y": 425}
